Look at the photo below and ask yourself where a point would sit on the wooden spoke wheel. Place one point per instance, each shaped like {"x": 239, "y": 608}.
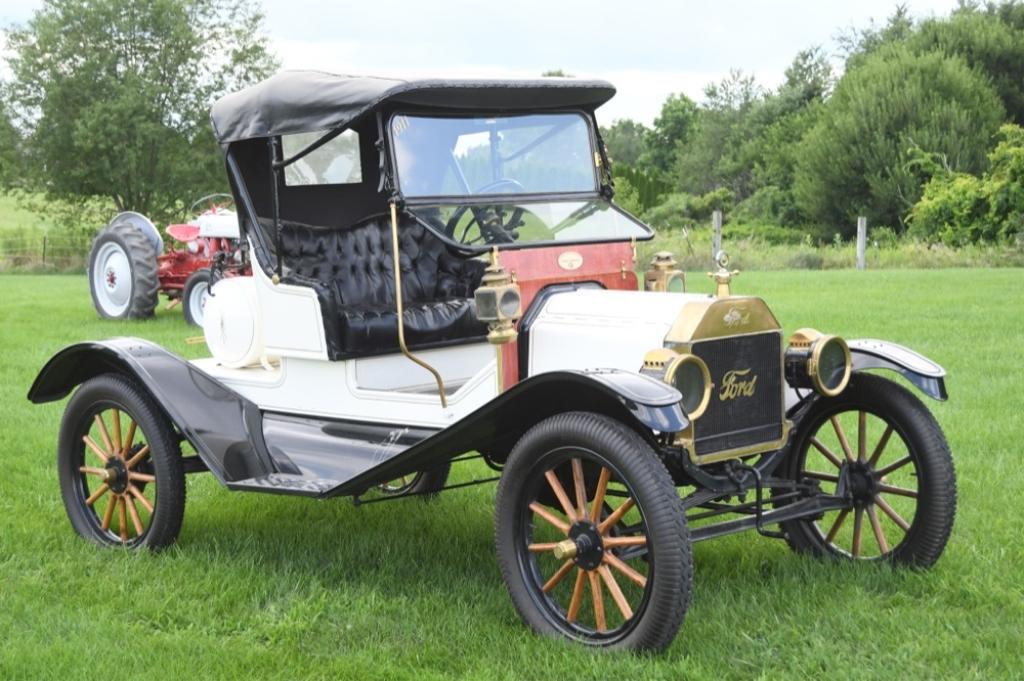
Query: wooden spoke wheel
{"x": 591, "y": 535}
{"x": 427, "y": 484}
{"x": 120, "y": 466}
{"x": 878, "y": 445}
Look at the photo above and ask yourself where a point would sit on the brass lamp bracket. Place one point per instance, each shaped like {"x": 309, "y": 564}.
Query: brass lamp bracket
{"x": 723, "y": 277}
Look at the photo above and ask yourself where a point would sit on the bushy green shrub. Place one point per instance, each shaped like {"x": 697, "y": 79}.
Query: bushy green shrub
{"x": 765, "y": 232}
{"x": 684, "y": 210}
{"x": 957, "y": 208}
{"x": 768, "y": 204}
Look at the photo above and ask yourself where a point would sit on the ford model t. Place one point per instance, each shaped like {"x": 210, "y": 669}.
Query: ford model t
{"x": 439, "y": 273}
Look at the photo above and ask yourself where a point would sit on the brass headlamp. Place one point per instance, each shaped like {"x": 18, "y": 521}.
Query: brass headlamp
{"x": 815, "y": 360}
{"x": 498, "y": 302}
{"x": 685, "y": 372}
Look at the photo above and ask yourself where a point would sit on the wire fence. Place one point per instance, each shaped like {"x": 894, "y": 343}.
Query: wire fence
{"x": 44, "y": 253}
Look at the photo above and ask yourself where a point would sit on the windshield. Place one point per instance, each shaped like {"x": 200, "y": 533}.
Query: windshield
{"x": 460, "y": 156}
{"x": 521, "y": 224}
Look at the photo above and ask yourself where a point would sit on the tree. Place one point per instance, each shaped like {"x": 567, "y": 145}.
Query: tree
{"x": 556, "y": 73}
{"x": 715, "y": 155}
{"x": 991, "y": 41}
{"x": 114, "y": 95}
{"x": 859, "y": 43}
{"x": 10, "y": 146}
{"x": 625, "y": 139}
{"x": 672, "y": 131}
{"x": 854, "y": 160}
{"x": 809, "y": 77}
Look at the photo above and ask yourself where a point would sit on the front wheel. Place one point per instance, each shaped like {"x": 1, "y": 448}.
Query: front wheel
{"x": 883, "y": 446}
{"x": 591, "y": 535}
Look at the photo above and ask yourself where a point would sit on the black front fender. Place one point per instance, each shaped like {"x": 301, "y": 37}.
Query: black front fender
{"x": 925, "y": 374}
{"x": 224, "y": 428}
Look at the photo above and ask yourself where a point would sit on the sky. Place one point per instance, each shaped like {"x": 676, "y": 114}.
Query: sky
{"x": 647, "y": 49}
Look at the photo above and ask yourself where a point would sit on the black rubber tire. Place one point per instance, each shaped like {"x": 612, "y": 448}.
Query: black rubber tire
{"x": 656, "y": 623}
{"x": 200, "y": 276}
{"x": 115, "y": 390}
{"x": 426, "y": 484}
{"x": 930, "y": 529}
{"x": 142, "y": 261}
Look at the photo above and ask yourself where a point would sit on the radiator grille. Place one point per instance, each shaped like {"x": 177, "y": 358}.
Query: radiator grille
{"x": 745, "y": 419}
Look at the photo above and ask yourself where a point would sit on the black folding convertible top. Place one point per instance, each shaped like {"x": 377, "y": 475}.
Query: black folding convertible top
{"x": 313, "y": 101}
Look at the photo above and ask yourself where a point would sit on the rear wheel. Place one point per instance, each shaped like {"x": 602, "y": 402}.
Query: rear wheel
{"x": 591, "y": 535}
{"x": 896, "y": 465}
{"x": 123, "y": 273}
{"x": 119, "y": 464}
{"x": 195, "y": 295}
{"x": 427, "y": 484}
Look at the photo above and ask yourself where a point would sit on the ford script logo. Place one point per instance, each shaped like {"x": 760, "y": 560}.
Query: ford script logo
{"x": 570, "y": 260}
{"x": 736, "y": 316}
{"x": 736, "y": 384}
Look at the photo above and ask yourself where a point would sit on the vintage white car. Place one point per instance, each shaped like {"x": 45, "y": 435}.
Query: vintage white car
{"x": 440, "y": 273}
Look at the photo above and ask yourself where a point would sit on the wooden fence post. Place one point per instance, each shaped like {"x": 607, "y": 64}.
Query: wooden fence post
{"x": 862, "y": 242}
{"x": 716, "y": 235}
{"x": 44, "y": 249}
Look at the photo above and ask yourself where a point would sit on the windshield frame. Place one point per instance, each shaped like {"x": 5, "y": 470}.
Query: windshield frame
{"x": 477, "y": 199}
{"x": 479, "y": 249}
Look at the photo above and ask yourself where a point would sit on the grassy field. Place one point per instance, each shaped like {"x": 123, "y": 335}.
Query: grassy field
{"x": 274, "y": 587}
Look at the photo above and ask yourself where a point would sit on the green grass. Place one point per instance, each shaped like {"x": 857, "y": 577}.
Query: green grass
{"x": 273, "y": 587}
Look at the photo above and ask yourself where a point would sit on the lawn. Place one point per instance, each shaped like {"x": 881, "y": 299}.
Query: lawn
{"x": 275, "y": 587}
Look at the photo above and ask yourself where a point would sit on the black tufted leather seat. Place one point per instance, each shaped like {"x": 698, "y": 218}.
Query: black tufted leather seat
{"x": 353, "y": 275}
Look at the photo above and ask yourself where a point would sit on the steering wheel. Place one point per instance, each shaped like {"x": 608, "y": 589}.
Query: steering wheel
{"x": 215, "y": 203}
{"x": 494, "y": 226}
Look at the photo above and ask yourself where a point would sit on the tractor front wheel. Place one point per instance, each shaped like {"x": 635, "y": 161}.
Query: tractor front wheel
{"x": 195, "y": 295}
{"x": 123, "y": 273}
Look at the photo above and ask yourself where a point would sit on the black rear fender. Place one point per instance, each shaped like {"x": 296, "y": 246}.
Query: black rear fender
{"x": 223, "y": 427}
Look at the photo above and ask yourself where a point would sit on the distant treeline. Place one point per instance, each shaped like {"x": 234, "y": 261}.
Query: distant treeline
{"x": 919, "y": 134}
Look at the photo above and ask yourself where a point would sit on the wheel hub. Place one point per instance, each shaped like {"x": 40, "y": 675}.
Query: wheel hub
{"x": 112, "y": 280}
{"x": 589, "y": 545}
{"x": 116, "y": 475}
{"x": 862, "y": 481}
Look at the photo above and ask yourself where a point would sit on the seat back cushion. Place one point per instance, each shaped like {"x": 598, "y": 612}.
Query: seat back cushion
{"x": 353, "y": 274}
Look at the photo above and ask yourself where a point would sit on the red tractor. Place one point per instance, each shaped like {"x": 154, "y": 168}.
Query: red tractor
{"x": 128, "y": 265}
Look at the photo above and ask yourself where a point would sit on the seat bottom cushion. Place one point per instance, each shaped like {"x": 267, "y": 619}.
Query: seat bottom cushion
{"x": 375, "y": 329}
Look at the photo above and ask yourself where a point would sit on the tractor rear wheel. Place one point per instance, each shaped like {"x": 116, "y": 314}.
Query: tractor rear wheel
{"x": 197, "y": 291}
{"x": 122, "y": 273}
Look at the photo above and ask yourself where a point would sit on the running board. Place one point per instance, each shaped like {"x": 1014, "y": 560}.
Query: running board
{"x": 285, "y": 483}
{"x": 311, "y": 456}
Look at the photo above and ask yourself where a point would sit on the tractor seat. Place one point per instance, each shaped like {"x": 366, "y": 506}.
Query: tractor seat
{"x": 353, "y": 275}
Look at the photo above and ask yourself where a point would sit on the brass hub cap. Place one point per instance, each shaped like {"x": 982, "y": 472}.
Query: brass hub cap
{"x": 120, "y": 478}
{"x": 589, "y": 546}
